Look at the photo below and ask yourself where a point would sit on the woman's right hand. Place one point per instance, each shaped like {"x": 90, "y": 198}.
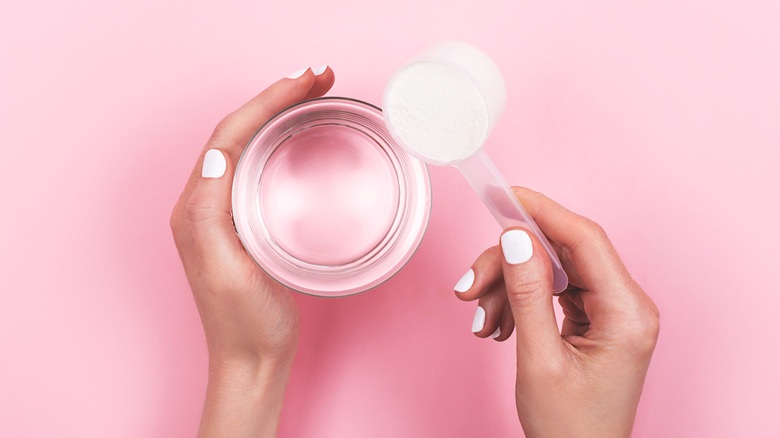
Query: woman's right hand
{"x": 585, "y": 380}
{"x": 251, "y": 322}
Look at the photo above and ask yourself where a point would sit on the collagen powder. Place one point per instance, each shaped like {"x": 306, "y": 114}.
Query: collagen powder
{"x": 437, "y": 112}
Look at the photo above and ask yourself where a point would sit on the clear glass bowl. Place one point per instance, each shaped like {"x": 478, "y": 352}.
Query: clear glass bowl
{"x": 326, "y": 202}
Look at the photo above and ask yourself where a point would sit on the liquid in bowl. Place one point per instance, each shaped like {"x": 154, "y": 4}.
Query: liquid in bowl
{"x": 326, "y": 202}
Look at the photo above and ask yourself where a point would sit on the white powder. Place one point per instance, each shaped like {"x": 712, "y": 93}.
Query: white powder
{"x": 437, "y": 112}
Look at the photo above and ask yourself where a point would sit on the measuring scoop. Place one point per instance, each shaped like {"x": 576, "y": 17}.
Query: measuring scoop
{"x": 441, "y": 106}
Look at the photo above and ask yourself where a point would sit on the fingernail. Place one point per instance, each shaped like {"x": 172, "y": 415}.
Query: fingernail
{"x": 298, "y": 73}
{"x": 496, "y": 333}
{"x": 214, "y": 164}
{"x": 465, "y": 282}
{"x": 319, "y": 70}
{"x": 479, "y": 320}
{"x": 517, "y": 246}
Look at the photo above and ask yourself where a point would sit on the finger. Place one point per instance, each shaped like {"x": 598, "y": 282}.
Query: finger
{"x": 611, "y": 299}
{"x": 208, "y": 211}
{"x": 323, "y": 80}
{"x": 584, "y": 242}
{"x": 485, "y": 273}
{"x": 506, "y": 324}
{"x": 489, "y": 312}
{"x": 232, "y": 134}
{"x": 528, "y": 279}
{"x": 237, "y": 128}
{"x": 575, "y": 321}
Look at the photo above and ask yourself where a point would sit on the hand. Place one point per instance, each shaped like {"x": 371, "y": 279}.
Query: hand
{"x": 586, "y": 380}
{"x": 251, "y": 322}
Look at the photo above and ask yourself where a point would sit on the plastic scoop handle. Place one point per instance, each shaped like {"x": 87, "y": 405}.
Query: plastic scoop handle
{"x": 500, "y": 199}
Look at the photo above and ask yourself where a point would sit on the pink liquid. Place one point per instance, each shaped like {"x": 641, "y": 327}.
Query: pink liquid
{"x": 328, "y": 195}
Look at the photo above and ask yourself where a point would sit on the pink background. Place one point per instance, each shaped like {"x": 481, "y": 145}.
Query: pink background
{"x": 659, "y": 120}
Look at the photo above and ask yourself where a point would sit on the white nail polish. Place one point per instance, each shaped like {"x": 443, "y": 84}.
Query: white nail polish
{"x": 319, "y": 70}
{"x": 298, "y": 73}
{"x": 465, "y": 282}
{"x": 496, "y": 333}
{"x": 517, "y": 247}
{"x": 479, "y": 320}
{"x": 214, "y": 164}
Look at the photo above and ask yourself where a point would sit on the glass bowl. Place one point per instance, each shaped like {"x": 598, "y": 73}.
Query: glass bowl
{"x": 326, "y": 202}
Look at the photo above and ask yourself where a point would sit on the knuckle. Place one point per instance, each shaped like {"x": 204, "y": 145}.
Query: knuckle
{"x": 491, "y": 256}
{"x": 176, "y": 219}
{"x": 525, "y": 288}
{"x": 173, "y": 221}
{"x": 642, "y": 334}
{"x": 651, "y": 328}
{"x": 222, "y": 129}
{"x": 655, "y": 310}
{"x": 224, "y": 133}
{"x": 594, "y": 228}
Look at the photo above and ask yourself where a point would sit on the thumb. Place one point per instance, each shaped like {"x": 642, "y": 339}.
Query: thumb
{"x": 528, "y": 278}
{"x": 209, "y": 208}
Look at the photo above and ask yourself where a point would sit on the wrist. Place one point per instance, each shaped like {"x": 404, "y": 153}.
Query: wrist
{"x": 243, "y": 344}
{"x": 231, "y": 353}
{"x": 244, "y": 397}
{"x": 248, "y": 371}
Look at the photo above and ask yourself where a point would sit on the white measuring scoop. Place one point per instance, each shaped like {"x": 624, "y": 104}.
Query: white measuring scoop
{"x": 441, "y": 106}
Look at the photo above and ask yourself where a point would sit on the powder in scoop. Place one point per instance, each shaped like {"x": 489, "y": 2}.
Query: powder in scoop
{"x": 437, "y": 112}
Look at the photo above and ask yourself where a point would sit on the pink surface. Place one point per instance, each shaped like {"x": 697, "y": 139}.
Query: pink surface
{"x": 658, "y": 120}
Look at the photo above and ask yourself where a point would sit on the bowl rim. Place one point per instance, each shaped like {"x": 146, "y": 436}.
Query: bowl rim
{"x": 426, "y": 182}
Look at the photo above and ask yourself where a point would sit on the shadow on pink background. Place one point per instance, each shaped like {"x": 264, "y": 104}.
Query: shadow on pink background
{"x": 660, "y": 121}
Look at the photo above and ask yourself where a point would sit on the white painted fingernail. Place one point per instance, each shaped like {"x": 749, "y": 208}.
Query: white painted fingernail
{"x": 214, "y": 164}
{"x": 298, "y": 73}
{"x": 319, "y": 70}
{"x": 496, "y": 333}
{"x": 465, "y": 282}
{"x": 517, "y": 246}
{"x": 479, "y": 320}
